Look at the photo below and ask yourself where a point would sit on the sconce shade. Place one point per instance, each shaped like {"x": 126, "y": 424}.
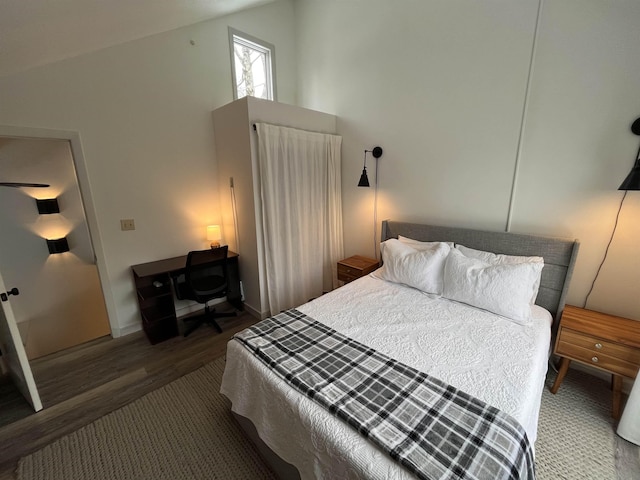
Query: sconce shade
{"x": 632, "y": 182}
{"x": 47, "y": 206}
{"x": 364, "y": 180}
{"x": 59, "y": 245}
{"x": 214, "y": 235}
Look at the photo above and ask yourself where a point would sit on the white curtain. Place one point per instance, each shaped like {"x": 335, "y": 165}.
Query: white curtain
{"x": 301, "y": 197}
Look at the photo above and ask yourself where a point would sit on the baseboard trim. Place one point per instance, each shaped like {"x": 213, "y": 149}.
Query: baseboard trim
{"x": 126, "y": 330}
{"x": 255, "y": 313}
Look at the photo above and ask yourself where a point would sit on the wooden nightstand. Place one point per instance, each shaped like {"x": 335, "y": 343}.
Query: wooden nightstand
{"x": 355, "y": 267}
{"x": 603, "y": 341}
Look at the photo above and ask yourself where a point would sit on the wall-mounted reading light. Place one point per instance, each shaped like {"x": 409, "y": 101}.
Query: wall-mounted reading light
{"x": 214, "y": 235}
{"x": 364, "y": 182}
{"x": 632, "y": 182}
{"x": 59, "y": 245}
{"x": 47, "y": 206}
{"x": 376, "y": 153}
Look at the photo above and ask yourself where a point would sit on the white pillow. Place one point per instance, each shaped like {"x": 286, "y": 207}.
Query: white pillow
{"x": 418, "y": 269}
{"x": 505, "y": 289}
{"x": 496, "y": 258}
{"x": 501, "y": 259}
{"x": 418, "y": 245}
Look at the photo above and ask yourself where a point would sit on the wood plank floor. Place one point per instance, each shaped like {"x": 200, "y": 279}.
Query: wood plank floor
{"x": 82, "y": 384}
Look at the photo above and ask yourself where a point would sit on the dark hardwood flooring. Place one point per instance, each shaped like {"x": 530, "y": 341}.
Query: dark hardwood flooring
{"x": 13, "y": 405}
{"x": 79, "y": 385}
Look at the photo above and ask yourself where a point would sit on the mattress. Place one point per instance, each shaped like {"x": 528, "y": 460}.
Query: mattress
{"x": 485, "y": 355}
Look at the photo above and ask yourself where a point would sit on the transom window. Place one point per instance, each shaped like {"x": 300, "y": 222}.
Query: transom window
{"x": 251, "y": 66}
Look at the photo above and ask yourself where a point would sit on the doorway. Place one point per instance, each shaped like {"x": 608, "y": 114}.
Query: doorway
{"x": 60, "y": 303}
{"x": 90, "y": 249}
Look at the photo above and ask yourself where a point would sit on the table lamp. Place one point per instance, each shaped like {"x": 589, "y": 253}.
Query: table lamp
{"x": 213, "y": 235}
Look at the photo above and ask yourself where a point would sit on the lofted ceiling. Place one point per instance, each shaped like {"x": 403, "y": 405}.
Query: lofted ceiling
{"x": 36, "y": 32}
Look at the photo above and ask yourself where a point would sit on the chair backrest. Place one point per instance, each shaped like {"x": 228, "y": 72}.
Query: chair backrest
{"x": 206, "y": 273}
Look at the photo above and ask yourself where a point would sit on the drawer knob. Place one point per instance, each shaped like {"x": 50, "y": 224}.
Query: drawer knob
{"x": 598, "y": 346}
{"x": 594, "y": 359}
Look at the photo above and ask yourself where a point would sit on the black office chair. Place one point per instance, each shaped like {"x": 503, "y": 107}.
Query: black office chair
{"x": 204, "y": 279}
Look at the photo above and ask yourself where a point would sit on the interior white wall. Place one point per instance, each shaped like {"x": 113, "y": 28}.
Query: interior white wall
{"x": 60, "y": 302}
{"x": 578, "y": 147}
{"x": 143, "y": 113}
{"x": 440, "y": 85}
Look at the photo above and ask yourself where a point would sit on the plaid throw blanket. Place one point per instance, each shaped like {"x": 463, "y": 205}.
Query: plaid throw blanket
{"x": 433, "y": 429}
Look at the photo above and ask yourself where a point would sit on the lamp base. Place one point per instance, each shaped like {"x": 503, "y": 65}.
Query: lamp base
{"x": 215, "y": 244}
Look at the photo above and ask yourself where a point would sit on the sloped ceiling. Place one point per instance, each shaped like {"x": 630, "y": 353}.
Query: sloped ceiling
{"x": 36, "y": 32}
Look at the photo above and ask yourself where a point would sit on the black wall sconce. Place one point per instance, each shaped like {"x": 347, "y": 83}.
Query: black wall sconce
{"x": 47, "y": 206}
{"x": 632, "y": 182}
{"x": 376, "y": 153}
{"x": 59, "y": 245}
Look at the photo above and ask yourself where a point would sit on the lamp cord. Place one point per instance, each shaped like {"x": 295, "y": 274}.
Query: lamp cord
{"x": 606, "y": 250}
{"x": 375, "y": 215}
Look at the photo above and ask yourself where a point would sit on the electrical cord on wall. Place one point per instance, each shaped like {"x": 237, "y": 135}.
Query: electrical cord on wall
{"x": 606, "y": 250}
{"x": 234, "y": 212}
{"x": 375, "y": 215}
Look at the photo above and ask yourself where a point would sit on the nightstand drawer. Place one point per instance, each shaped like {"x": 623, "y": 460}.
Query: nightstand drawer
{"x": 348, "y": 276}
{"x": 355, "y": 267}
{"x": 600, "y": 360}
{"x": 598, "y": 346}
{"x": 348, "y": 272}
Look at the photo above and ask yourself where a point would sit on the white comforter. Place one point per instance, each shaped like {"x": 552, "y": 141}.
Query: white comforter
{"x": 488, "y": 356}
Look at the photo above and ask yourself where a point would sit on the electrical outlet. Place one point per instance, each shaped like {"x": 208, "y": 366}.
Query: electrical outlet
{"x": 127, "y": 224}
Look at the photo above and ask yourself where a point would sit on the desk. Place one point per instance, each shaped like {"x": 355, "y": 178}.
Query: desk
{"x": 157, "y": 308}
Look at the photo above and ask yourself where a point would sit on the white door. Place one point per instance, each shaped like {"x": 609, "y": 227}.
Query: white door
{"x": 13, "y": 352}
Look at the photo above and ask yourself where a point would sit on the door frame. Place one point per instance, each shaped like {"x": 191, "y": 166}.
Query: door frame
{"x": 87, "y": 204}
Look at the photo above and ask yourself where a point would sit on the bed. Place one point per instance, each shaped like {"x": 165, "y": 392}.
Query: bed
{"x": 495, "y": 359}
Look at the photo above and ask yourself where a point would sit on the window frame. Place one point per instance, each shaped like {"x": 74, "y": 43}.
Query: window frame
{"x": 271, "y": 63}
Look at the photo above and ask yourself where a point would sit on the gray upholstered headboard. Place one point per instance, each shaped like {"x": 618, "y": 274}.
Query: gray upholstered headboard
{"x": 559, "y": 254}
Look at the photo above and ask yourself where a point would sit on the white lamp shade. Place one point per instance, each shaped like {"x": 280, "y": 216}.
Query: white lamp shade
{"x": 213, "y": 233}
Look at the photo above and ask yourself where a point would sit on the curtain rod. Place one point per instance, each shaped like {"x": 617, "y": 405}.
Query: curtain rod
{"x": 295, "y": 128}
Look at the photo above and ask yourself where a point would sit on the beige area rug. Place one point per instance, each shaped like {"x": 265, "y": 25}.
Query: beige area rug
{"x": 182, "y": 431}
{"x": 185, "y": 431}
{"x": 576, "y": 430}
